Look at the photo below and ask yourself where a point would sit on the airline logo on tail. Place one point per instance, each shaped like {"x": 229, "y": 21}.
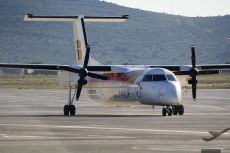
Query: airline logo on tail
{"x": 79, "y": 51}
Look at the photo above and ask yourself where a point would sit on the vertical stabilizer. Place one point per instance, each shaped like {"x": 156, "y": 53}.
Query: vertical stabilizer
{"x": 79, "y": 32}
{"x": 80, "y": 39}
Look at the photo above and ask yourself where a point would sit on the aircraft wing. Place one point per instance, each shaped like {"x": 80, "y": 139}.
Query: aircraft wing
{"x": 177, "y": 69}
{"x": 51, "y": 67}
{"x": 70, "y": 68}
{"x": 184, "y": 69}
{"x": 118, "y": 68}
{"x": 214, "y": 67}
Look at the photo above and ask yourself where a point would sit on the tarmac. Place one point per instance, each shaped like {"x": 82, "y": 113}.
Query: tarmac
{"x": 33, "y": 121}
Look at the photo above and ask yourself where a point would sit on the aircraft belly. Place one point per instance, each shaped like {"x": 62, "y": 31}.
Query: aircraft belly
{"x": 117, "y": 93}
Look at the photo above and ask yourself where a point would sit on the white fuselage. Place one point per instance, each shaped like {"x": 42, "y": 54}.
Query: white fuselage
{"x": 161, "y": 91}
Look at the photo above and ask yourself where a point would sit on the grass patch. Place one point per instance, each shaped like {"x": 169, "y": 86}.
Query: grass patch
{"x": 214, "y": 81}
{"x": 29, "y": 82}
{"x": 51, "y": 82}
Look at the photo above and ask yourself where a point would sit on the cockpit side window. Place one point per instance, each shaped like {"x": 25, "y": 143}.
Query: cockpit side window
{"x": 171, "y": 77}
{"x": 147, "y": 78}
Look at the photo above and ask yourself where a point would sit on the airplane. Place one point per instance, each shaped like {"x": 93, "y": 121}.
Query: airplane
{"x": 155, "y": 85}
{"x": 215, "y": 134}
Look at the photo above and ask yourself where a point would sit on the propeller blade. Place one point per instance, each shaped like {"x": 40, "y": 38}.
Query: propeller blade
{"x": 97, "y": 76}
{"x": 83, "y": 72}
{"x": 86, "y": 57}
{"x": 194, "y": 91}
{"x": 193, "y": 57}
{"x": 79, "y": 88}
{"x": 194, "y": 72}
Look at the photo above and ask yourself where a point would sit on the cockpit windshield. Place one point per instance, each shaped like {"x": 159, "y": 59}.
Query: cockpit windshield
{"x": 155, "y": 77}
{"x": 159, "y": 77}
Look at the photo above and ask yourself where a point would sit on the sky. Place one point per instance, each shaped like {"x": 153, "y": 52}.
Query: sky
{"x": 180, "y": 7}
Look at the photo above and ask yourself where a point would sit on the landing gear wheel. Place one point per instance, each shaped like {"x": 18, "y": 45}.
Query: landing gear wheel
{"x": 175, "y": 110}
{"x": 169, "y": 111}
{"x": 72, "y": 110}
{"x": 69, "y": 110}
{"x": 164, "y": 111}
{"x": 66, "y": 110}
{"x": 181, "y": 110}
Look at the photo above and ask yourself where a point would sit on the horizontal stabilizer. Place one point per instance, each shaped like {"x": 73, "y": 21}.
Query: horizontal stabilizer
{"x": 30, "y": 17}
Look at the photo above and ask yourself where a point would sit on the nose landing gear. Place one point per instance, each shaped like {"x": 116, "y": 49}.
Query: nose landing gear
{"x": 178, "y": 109}
{"x": 167, "y": 110}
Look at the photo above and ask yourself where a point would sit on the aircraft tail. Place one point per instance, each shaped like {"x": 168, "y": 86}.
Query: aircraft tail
{"x": 80, "y": 40}
{"x": 79, "y": 32}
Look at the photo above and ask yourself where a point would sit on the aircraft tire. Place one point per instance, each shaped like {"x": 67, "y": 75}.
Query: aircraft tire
{"x": 175, "y": 110}
{"x": 169, "y": 111}
{"x": 72, "y": 110}
{"x": 66, "y": 110}
{"x": 181, "y": 110}
{"x": 164, "y": 111}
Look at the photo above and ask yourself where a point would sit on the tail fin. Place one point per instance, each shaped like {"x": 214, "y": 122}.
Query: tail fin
{"x": 79, "y": 32}
{"x": 80, "y": 40}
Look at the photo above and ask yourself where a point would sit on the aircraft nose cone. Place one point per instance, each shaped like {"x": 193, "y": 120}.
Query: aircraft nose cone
{"x": 173, "y": 93}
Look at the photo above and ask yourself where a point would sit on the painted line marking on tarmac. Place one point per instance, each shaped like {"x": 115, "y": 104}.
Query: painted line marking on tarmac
{"x": 163, "y": 148}
{"x": 22, "y": 136}
{"x": 6, "y": 136}
{"x": 210, "y": 97}
{"x": 113, "y": 128}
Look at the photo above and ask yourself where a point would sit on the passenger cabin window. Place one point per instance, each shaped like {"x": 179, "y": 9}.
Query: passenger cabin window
{"x": 156, "y": 77}
{"x": 171, "y": 78}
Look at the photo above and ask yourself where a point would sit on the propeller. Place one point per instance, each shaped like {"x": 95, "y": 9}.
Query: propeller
{"x": 193, "y": 73}
{"x": 83, "y": 73}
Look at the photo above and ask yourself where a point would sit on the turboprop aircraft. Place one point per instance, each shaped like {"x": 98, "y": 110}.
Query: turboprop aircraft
{"x": 155, "y": 85}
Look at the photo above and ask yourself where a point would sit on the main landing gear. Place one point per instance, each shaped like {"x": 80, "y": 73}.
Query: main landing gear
{"x": 70, "y": 109}
{"x": 176, "y": 109}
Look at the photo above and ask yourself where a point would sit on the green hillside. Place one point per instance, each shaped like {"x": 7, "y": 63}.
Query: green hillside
{"x": 147, "y": 38}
